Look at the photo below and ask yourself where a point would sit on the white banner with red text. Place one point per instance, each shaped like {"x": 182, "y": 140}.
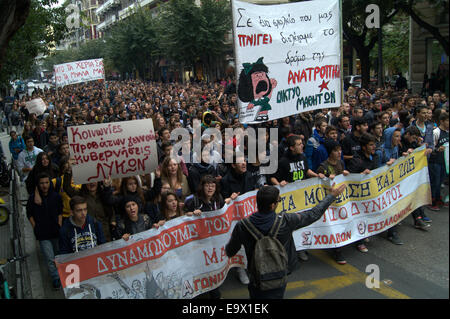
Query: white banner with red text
{"x": 78, "y": 72}
{"x": 186, "y": 257}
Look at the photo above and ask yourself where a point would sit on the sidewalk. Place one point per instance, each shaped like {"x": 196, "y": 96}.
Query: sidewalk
{"x": 39, "y": 279}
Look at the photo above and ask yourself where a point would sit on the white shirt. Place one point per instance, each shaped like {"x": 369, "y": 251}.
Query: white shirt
{"x": 27, "y": 159}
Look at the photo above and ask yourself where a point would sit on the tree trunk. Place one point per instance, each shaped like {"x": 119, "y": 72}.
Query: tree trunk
{"x": 365, "y": 68}
{"x": 13, "y": 14}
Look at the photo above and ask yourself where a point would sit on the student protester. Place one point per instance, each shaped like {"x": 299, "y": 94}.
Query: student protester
{"x": 16, "y": 145}
{"x": 238, "y": 181}
{"x": 207, "y": 198}
{"x": 436, "y": 162}
{"x": 363, "y": 162}
{"x": 350, "y": 144}
{"x": 343, "y": 126}
{"x": 61, "y": 151}
{"x": 52, "y": 146}
{"x": 390, "y": 152}
{"x": 313, "y": 152}
{"x": 172, "y": 173}
{"x": 409, "y": 142}
{"x": 426, "y": 129}
{"x": 43, "y": 164}
{"x": 202, "y": 168}
{"x": 267, "y": 200}
{"x": 293, "y": 166}
{"x": 46, "y": 220}
{"x": 27, "y": 158}
{"x": 331, "y": 167}
{"x": 80, "y": 231}
{"x": 170, "y": 207}
{"x": 40, "y": 135}
{"x": 97, "y": 208}
{"x": 133, "y": 220}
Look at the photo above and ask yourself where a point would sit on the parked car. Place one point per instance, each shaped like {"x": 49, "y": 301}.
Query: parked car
{"x": 354, "y": 80}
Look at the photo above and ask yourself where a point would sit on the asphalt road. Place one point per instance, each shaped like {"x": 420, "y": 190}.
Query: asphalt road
{"x": 418, "y": 269}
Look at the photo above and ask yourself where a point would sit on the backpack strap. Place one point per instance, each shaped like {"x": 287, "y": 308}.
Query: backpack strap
{"x": 276, "y": 225}
{"x": 252, "y": 229}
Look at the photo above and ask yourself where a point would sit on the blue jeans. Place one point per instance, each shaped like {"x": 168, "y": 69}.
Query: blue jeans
{"x": 437, "y": 174}
{"x": 49, "y": 248}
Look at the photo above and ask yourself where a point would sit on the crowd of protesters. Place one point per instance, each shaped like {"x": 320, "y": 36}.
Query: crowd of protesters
{"x": 369, "y": 130}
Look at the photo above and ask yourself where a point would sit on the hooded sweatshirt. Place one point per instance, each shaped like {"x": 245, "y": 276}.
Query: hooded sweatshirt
{"x": 315, "y": 151}
{"x": 73, "y": 238}
{"x": 45, "y": 215}
{"x": 387, "y": 150}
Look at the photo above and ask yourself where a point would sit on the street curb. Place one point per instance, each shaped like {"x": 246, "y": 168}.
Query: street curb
{"x": 30, "y": 247}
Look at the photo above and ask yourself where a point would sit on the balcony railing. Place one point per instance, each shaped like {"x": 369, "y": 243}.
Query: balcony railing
{"x": 107, "y": 6}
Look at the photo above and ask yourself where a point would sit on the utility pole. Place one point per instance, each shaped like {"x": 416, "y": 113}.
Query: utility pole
{"x": 380, "y": 58}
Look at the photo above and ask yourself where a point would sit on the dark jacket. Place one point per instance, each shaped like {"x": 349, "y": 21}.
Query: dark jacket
{"x": 350, "y": 145}
{"x": 127, "y": 226}
{"x": 195, "y": 202}
{"x": 234, "y": 183}
{"x": 264, "y": 222}
{"x": 74, "y": 239}
{"x": 197, "y": 171}
{"x": 359, "y": 163}
{"x": 45, "y": 215}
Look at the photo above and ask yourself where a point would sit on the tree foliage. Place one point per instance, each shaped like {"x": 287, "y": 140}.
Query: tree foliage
{"x": 439, "y": 6}
{"x": 359, "y": 36}
{"x": 395, "y": 45}
{"x": 43, "y": 29}
{"x": 133, "y": 44}
{"x": 189, "y": 33}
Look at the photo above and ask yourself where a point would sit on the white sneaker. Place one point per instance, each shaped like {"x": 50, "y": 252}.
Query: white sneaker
{"x": 243, "y": 276}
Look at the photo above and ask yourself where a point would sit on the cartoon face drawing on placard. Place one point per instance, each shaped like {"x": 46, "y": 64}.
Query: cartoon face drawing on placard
{"x": 256, "y": 87}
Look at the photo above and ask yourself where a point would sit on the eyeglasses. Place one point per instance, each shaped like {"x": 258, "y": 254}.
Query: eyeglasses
{"x": 279, "y": 200}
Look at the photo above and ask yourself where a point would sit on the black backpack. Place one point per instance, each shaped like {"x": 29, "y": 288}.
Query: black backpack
{"x": 269, "y": 265}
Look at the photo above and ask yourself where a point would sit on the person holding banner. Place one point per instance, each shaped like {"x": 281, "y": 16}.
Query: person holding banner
{"x": 332, "y": 167}
{"x": 207, "y": 198}
{"x": 267, "y": 199}
{"x": 132, "y": 221}
{"x": 390, "y": 151}
{"x": 363, "y": 162}
{"x": 436, "y": 161}
{"x": 410, "y": 141}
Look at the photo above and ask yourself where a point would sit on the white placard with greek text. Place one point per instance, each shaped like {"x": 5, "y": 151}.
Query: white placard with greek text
{"x": 288, "y": 58}
{"x": 78, "y": 72}
{"x": 116, "y": 149}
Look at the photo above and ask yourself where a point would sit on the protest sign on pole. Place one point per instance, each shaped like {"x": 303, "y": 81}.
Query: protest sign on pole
{"x": 78, "y": 72}
{"x": 288, "y": 58}
{"x": 186, "y": 256}
{"x": 36, "y": 106}
{"x": 116, "y": 149}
